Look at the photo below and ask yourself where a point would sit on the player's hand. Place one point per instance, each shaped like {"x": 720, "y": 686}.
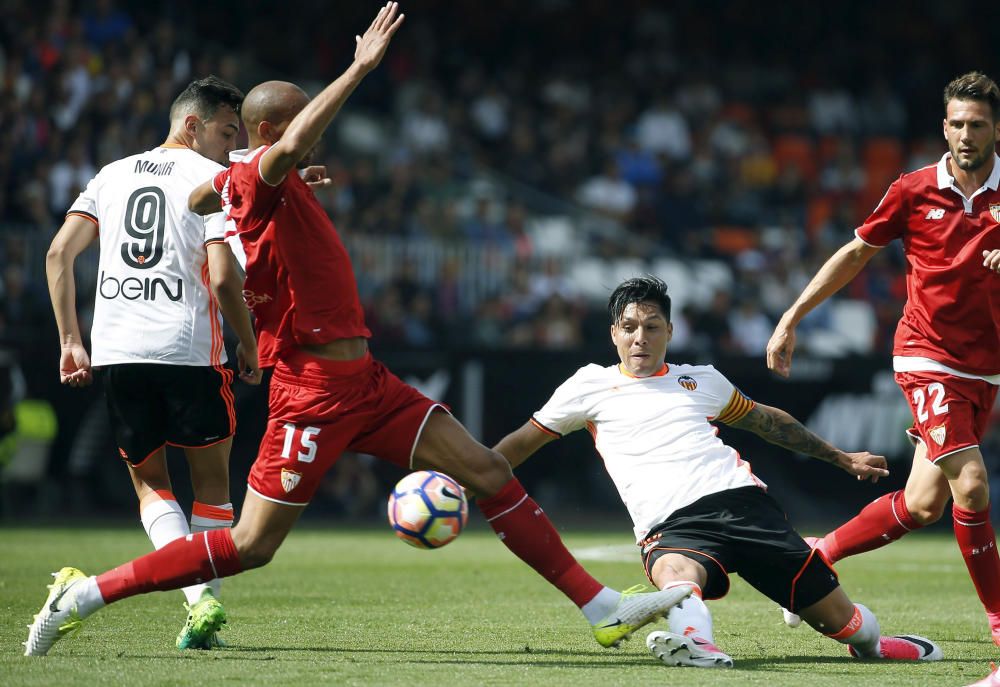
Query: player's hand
{"x": 780, "y": 348}
{"x": 316, "y": 178}
{"x": 74, "y": 365}
{"x": 865, "y": 465}
{"x": 248, "y": 364}
{"x": 371, "y": 47}
{"x": 991, "y": 260}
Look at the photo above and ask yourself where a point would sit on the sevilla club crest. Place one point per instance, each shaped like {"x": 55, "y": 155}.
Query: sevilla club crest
{"x": 995, "y": 211}
{"x": 937, "y": 434}
{"x": 290, "y": 479}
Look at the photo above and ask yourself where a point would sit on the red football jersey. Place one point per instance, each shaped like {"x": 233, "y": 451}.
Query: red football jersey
{"x": 299, "y": 280}
{"x": 952, "y": 311}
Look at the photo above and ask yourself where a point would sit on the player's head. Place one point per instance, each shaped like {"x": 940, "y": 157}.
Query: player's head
{"x": 206, "y": 117}
{"x": 268, "y": 110}
{"x": 640, "y": 324}
{"x": 971, "y": 126}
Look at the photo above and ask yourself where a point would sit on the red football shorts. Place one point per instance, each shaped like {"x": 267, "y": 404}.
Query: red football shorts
{"x": 319, "y": 408}
{"x": 949, "y": 413}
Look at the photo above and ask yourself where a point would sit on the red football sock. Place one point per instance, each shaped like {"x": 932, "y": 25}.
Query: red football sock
{"x": 881, "y": 522}
{"x": 978, "y": 544}
{"x": 185, "y": 561}
{"x": 525, "y": 530}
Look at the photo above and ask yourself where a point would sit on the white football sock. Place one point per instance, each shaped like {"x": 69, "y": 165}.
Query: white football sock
{"x": 164, "y": 522}
{"x": 601, "y": 605}
{"x": 87, "y": 597}
{"x": 862, "y": 632}
{"x": 205, "y": 517}
{"x": 691, "y": 616}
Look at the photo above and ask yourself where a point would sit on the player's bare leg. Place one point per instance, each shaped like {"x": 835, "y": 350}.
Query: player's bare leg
{"x": 689, "y": 641}
{"x": 209, "y": 468}
{"x": 967, "y": 476}
{"x": 927, "y": 490}
{"x": 836, "y": 617}
{"x": 445, "y": 445}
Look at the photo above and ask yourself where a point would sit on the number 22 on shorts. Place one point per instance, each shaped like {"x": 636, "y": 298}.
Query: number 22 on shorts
{"x": 306, "y": 440}
{"x": 935, "y": 390}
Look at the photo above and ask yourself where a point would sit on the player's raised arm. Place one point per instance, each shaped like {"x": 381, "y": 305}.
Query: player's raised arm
{"x": 780, "y": 428}
{"x": 520, "y": 444}
{"x": 305, "y": 130}
{"x": 76, "y": 234}
{"x": 832, "y": 276}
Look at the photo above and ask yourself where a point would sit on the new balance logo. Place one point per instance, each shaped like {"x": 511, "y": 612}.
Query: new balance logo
{"x": 935, "y": 213}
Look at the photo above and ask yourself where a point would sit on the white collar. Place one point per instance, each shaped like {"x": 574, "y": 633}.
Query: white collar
{"x": 946, "y": 180}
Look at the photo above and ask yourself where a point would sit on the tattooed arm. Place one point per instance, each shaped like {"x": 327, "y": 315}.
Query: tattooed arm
{"x": 780, "y": 428}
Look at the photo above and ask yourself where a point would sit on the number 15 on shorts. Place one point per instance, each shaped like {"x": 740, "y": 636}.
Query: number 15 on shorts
{"x": 306, "y": 441}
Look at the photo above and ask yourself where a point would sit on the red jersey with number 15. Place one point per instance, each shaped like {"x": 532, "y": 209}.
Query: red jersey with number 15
{"x": 952, "y": 311}
{"x": 299, "y": 283}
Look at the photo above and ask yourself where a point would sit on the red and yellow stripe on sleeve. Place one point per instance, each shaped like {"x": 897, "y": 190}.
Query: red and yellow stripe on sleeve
{"x": 737, "y": 408}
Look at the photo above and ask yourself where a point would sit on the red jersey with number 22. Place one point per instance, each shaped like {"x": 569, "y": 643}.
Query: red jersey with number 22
{"x": 299, "y": 280}
{"x": 952, "y": 311}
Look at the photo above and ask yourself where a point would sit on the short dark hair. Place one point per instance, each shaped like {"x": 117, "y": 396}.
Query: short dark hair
{"x": 638, "y": 290}
{"x": 974, "y": 86}
{"x": 205, "y": 96}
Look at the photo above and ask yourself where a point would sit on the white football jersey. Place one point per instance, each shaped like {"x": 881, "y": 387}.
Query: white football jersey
{"x": 654, "y": 434}
{"x": 153, "y": 299}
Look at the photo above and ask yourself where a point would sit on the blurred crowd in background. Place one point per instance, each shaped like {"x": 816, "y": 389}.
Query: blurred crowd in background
{"x": 531, "y": 136}
{"x": 510, "y": 162}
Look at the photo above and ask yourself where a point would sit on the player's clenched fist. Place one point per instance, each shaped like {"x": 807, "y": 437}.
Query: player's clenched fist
{"x": 991, "y": 259}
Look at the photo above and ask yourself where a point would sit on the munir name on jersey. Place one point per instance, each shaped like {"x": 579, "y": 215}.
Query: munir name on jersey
{"x": 157, "y": 168}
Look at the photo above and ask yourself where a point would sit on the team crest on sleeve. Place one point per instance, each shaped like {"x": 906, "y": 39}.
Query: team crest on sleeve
{"x": 995, "y": 211}
{"x": 290, "y": 479}
{"x": 687, "y": 382}
{"x": 937, "y": 434}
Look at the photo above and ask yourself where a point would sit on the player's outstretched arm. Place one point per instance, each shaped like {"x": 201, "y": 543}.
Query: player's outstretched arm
{"x": 520, "y": 444}
{"x": 780, "y": 428}
{"x": 226, "y": 280}
{"x": 72, "y": 239}
{"x": 832, "y": 276}
{"x": 308, "y": 126}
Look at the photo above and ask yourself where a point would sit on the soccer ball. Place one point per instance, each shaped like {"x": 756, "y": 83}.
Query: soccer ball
{"x": 427, "y": 509}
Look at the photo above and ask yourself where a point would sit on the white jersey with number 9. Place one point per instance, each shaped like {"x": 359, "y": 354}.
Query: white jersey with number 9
{"x": 153, "y": 303}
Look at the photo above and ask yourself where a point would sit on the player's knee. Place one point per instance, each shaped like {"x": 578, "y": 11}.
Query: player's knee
{"x": 971, "y": 495}
{"x": 926, "y": 512}
{"x": 485, "y": 472}
{"x": 970, "y": 488}
{"x": 254, "y": 550}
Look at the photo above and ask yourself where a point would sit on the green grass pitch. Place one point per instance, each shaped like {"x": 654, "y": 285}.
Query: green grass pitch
{"x": 358, "y": 607}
